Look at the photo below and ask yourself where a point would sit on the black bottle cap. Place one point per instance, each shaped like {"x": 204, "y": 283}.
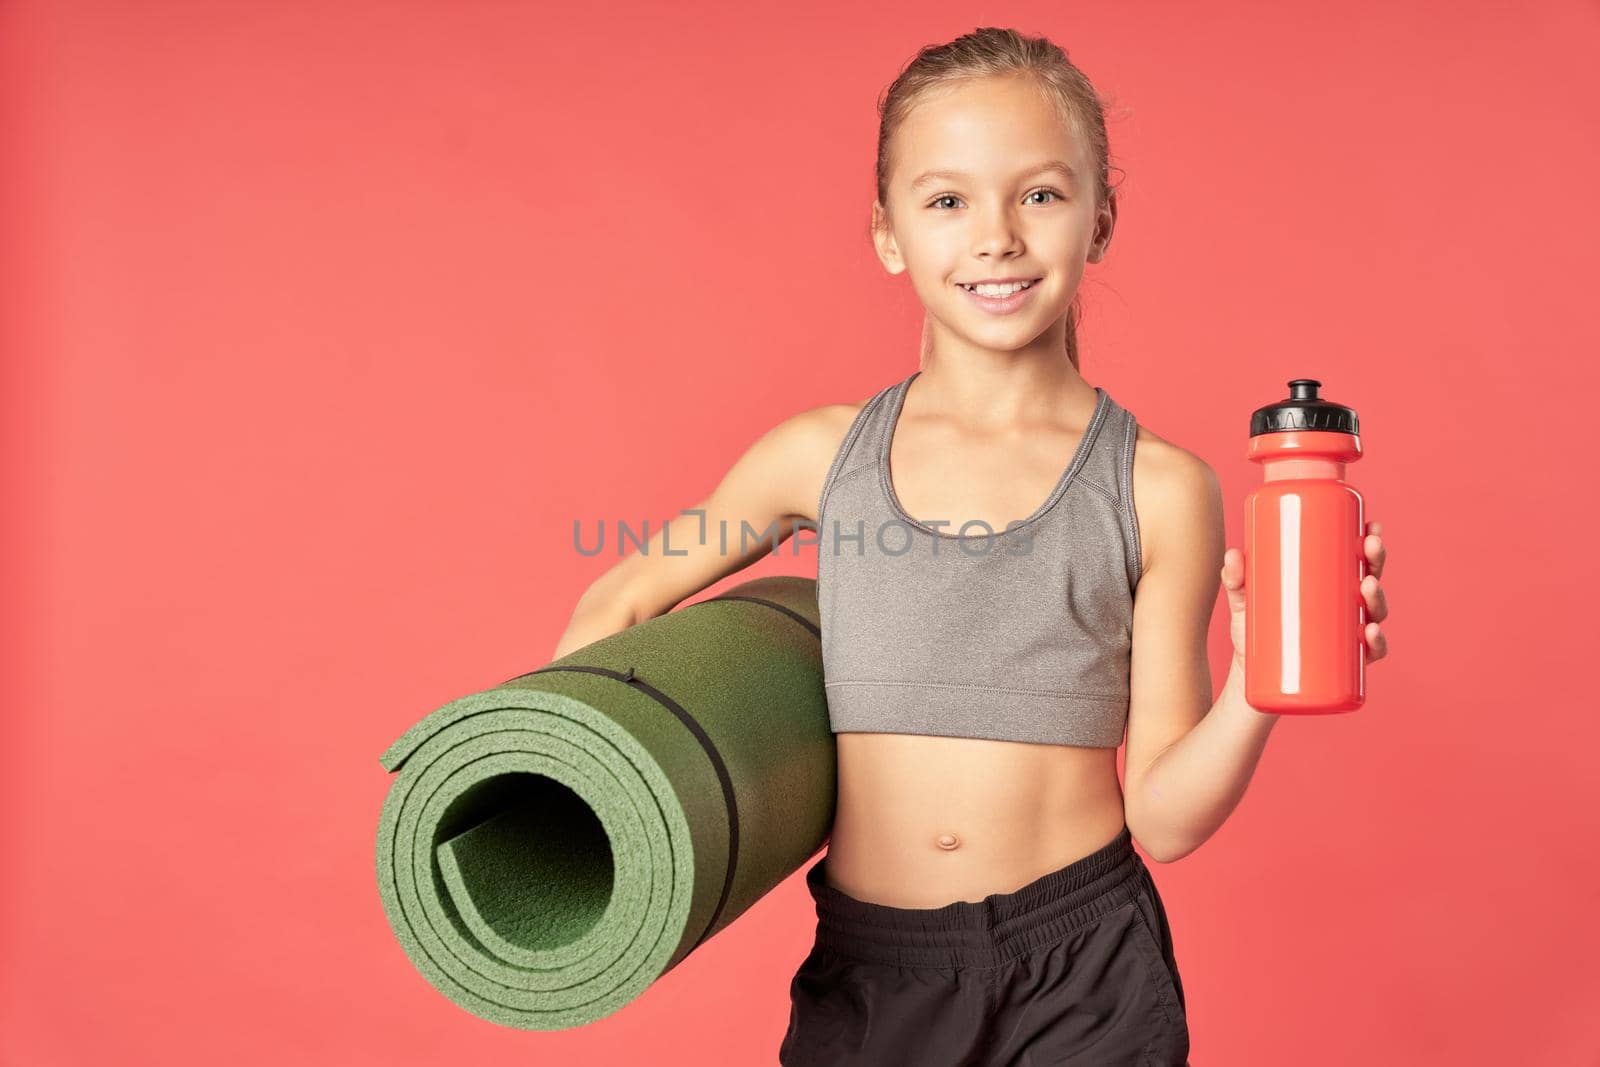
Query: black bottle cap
{"x": 1304, "y": 410}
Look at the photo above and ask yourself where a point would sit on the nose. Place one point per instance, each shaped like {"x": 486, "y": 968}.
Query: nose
{"x": 996, "y": 233}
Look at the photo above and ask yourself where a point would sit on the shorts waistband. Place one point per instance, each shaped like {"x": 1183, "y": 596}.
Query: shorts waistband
{"x": 979, "y": 933}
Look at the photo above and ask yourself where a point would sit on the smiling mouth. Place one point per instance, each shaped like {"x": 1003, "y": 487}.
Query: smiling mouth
{"x": 1026, "y": 285}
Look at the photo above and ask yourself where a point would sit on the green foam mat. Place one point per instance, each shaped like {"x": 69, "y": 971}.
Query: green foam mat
{"x": 551, "y": 846}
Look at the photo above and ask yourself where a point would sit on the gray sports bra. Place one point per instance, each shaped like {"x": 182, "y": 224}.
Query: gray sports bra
{"x": 1017, "y": 635}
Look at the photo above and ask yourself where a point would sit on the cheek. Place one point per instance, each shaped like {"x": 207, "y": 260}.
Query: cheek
{"x": 932, "y": 261}
{"x": 1072, "y": 240}
{"x": 935, "y": 248}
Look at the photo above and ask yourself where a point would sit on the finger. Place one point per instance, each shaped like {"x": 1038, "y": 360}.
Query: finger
{"x": 1377, "y": 642}
{"x": 1377, "y": 600}
{"x": 1233, "y": 569}
{"x": 1374, "y": 528}
{"x": 1377, "y": 554}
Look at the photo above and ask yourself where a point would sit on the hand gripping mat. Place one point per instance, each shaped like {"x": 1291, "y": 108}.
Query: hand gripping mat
{"x": 551, "y": 846}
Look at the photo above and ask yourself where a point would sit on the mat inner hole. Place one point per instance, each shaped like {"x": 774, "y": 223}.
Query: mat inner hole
{"x": 535, "y": 863}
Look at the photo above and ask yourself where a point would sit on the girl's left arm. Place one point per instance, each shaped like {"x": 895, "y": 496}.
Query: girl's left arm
{"x": 1187, "y": 766}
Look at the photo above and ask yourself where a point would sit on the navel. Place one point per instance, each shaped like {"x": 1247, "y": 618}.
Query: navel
{"x": 949, "y": 841}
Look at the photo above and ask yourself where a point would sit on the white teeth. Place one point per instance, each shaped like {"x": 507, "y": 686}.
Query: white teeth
{"x": 997, "y": 290}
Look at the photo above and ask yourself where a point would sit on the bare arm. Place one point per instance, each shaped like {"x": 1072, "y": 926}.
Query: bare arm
{"x": 763, "y": 499}
{"x": 1189, "y": 759}
{"x": 1189, "y": 771}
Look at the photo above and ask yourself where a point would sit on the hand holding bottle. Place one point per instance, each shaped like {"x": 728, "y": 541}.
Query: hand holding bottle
{"x": 1377, "y": 645}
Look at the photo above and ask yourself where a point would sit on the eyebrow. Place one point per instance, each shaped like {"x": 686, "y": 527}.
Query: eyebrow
{"x": 931, "y": 176}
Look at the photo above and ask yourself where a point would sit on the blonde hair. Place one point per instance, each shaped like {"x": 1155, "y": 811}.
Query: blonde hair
{"x": 993, "y": 52}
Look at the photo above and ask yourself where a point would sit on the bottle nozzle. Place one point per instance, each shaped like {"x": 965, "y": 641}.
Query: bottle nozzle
{"x": 1303, "y": 410}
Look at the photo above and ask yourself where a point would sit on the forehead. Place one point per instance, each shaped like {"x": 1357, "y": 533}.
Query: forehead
{"x": 987, "y": 128}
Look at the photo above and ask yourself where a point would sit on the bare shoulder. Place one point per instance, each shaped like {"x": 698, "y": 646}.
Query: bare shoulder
{"x": 802, "y": 448}
{"x": 1173, "y": 490}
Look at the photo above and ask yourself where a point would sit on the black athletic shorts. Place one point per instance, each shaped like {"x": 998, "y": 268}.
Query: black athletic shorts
{"x": 1076, "y": 967}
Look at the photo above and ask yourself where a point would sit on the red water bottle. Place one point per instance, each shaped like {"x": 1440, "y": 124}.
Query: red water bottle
{"x": 1303, "y": 559}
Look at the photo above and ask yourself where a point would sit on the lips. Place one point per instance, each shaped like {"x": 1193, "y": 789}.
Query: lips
{"x": 1001, "y": 305}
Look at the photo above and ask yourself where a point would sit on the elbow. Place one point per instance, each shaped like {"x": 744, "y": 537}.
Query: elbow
{"x": 1157, "y": 855}
{"x": 1168, "y": 857}
{"x": 1159, "y": 847}
{"x": 1152, "y": 854}
{"x": 618, "y": 598}
{"x": 1168, "y": 853}
{"x": 599, "y": 613}
{"x": 610, "y": 600}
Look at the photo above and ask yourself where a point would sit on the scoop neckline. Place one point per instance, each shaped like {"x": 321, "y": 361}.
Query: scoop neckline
{"x": 1080, "y": 453}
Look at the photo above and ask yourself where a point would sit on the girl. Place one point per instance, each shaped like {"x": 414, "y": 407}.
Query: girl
{"x": 984, "y": 525}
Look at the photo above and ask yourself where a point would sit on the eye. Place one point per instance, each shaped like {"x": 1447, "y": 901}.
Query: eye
{"x": 951, "y": 196}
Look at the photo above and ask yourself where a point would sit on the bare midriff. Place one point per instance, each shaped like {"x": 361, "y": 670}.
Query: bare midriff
{"x": 925, "y": 821}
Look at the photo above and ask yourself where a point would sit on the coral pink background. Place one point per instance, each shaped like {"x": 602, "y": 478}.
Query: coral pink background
{"x": 322, "y": 323}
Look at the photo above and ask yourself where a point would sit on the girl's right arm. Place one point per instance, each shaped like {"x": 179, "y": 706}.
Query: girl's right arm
{"x": 773, "y": 487}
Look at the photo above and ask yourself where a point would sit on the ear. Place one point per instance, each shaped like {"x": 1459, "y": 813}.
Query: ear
{"x": 883, "y": 241}
{"x": 1105, "y": 224}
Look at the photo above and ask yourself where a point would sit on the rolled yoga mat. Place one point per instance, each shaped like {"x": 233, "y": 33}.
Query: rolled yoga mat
{"x": 553, "y": 845}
